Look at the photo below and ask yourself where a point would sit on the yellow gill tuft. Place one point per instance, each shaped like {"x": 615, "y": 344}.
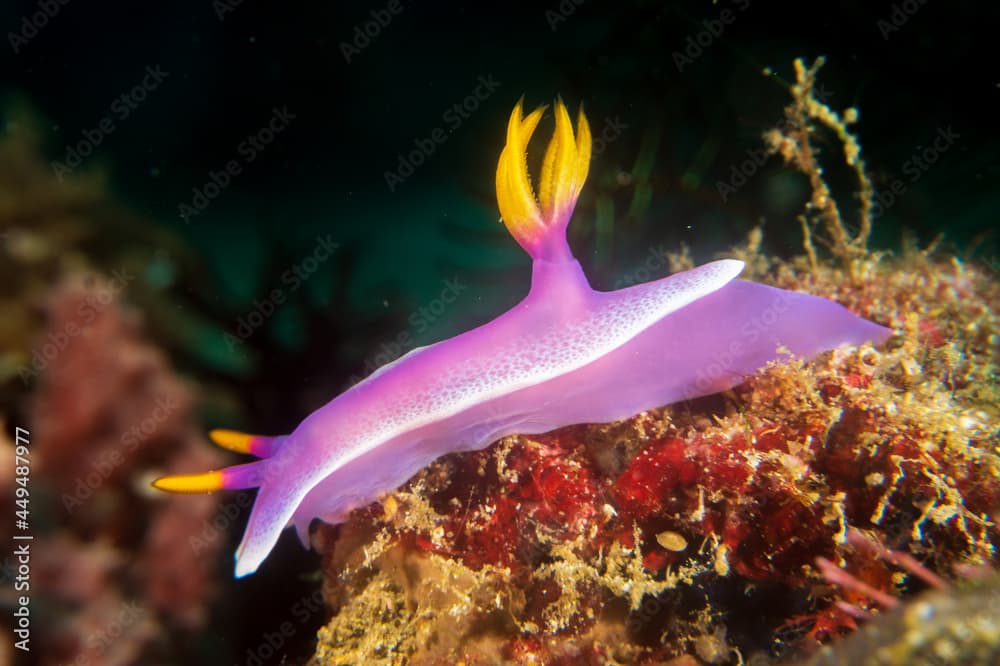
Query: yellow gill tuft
{"x": 515, "y": 197}
{"x": 567, "y": 160}
{"x": 564, "y": 170}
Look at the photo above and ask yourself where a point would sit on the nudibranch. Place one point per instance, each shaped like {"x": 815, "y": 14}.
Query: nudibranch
{"x": 565, "y": 354}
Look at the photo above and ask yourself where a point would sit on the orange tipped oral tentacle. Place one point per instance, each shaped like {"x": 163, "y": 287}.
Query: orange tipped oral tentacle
{"x": 236, "y": 477}
{"x": 232, "y": 440}
{"x": 205, "y": 482}
{"x": 240, "y": 442}
{"x": 539, "y": 225}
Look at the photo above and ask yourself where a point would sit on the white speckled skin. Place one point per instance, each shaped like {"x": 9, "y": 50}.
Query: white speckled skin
{"x": 456, "y": 395}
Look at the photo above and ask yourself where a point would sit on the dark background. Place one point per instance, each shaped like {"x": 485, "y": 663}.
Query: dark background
{"x": 325, "y": 173}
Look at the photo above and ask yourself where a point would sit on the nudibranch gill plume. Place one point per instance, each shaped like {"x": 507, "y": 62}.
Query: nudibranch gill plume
{"x": 565, "y": 354}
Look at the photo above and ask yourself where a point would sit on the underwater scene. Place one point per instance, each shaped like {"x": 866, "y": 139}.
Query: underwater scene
{"x": 564, "y": 332}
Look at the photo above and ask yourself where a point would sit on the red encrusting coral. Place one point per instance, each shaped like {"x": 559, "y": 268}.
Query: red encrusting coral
{"x": 501, "y": 507}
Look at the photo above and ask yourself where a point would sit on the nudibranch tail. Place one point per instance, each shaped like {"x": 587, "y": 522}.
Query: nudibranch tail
{"x": 539, "y": 225}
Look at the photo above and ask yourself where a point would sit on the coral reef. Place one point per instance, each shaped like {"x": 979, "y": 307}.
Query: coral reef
{"x": 116, "y": 579}
{"x": 647, "y": 539}
{"x": 700, "y": 533}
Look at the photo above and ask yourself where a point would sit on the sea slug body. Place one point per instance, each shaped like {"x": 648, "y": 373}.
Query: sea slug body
{"x": 565, "y": 354}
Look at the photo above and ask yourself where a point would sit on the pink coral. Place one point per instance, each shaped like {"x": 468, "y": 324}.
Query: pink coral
{"x": 109, "y": 412}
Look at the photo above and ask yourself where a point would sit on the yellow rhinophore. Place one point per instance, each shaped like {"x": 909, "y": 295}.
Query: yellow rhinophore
{"x": 539, "y": 225}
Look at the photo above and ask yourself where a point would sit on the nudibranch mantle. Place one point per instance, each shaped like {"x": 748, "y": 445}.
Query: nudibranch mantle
{"x": 565, "y": 354}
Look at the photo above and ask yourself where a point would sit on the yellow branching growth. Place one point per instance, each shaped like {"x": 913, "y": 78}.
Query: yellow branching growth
{"x": 793, "y": 140}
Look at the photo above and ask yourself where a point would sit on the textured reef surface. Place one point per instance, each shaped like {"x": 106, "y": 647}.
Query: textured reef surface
{"x": 752, "y": 526}
{"x": 692, "y": 533}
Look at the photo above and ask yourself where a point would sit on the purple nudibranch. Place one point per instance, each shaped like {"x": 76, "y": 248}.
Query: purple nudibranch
{"x": 565, "y": 354}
